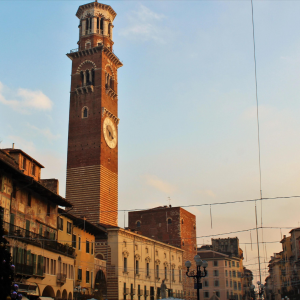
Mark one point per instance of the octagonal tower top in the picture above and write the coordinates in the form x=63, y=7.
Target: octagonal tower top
x=96, y=25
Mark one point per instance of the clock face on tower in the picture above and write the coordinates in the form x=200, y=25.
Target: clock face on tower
x=110, y=133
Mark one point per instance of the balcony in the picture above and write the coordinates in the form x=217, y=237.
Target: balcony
x=24, y=270
x=61, y=278
x=42, y=241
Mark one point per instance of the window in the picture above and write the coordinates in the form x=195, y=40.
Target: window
x=87, y=249
x=60, y=223
x=79, y=243
x=240, y=286
x=87, y=277
x=237, y=264
x=230, y=283
x=226, y=273
x=216, y=283
x=215, y=263
x=29, y=199
x=206, y=283
x=225, y=263
x=169, y=221
x=173, y=274
x=182, y=221
x=125, y=264
x=233, y=274
x=84, y=112
x=216, y=272
x=218, y=294
x=69, y=227
x=229, y=273
x=92, y=248
x=138, y=224
x=233, y=263
x=157, y=271
x=79, y=274
x=229, y=264
x=226, y=283
x=180, y=275
x=206, y=294
x=24, y=163
x=74, y=241
x=48, y=209
x=136, y=267
x=234, y=285
x=147, y=269
x=166, y=272
x=33, y=170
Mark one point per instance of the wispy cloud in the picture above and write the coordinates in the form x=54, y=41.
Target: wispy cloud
x=24, y=100
x=144, y=24
x=46, y=132
x=207, y=193
x=160, y=185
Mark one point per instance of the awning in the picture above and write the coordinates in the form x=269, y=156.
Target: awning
x=45, y=298
x=24, y=297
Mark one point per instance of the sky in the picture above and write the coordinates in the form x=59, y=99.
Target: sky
x=187, y=107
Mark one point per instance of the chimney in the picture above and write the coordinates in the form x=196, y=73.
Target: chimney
x=13, y=145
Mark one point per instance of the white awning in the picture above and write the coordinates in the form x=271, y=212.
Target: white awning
x=46, y=298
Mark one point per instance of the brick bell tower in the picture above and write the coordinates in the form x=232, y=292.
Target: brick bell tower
x=92, y=165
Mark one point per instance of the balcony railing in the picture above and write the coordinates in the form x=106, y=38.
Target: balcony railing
x=62, y=278
x=37, y=239
x=24, y=269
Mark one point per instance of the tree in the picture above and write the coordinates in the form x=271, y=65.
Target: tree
x=6, y=268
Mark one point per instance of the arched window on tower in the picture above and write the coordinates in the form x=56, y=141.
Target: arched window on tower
x=82, y=78
x=84, y=113
x=101, y=25
x=93, y=77
x=88, y=79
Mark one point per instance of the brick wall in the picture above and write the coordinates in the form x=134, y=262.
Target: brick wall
x=181, y=232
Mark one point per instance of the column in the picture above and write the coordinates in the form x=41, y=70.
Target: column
x=83, y=26
x=105, y=27
x=111, y=31
x=94, y=24
x=84, y=78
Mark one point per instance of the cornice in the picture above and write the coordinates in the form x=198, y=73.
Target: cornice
x=84, y=7
x=81, y=53
x=106, y=112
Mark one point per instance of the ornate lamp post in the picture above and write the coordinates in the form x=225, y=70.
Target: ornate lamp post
x=197, y=275
x=260, y=289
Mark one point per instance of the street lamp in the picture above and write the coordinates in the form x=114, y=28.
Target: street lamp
x=198, y=274
x=260, y=289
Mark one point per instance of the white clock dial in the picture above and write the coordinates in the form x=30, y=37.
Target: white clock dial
x=110, y=133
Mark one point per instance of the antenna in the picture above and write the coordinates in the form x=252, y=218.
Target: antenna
x=169, y=201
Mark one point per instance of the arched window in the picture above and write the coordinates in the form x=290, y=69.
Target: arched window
x=93, y=77
x=109, y=29
x=85, y=111
x=82, y=78
x=138, y=224
x=99, y=256
x=87, y=77
x=169, y=221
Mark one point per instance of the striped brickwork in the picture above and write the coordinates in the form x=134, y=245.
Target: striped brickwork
x=93, y=190
x=111, y=273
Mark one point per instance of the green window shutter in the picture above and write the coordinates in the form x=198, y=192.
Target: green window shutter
x=29, y=258
x=34, y=264
x=19, y=259
x=12, y=219
x=42, y=263
x=15, y=255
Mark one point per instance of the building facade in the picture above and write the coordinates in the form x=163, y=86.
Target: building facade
x=92, y=164
x=30, y=211
x=171, y=225
x=136, y=266
x=224, y=278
